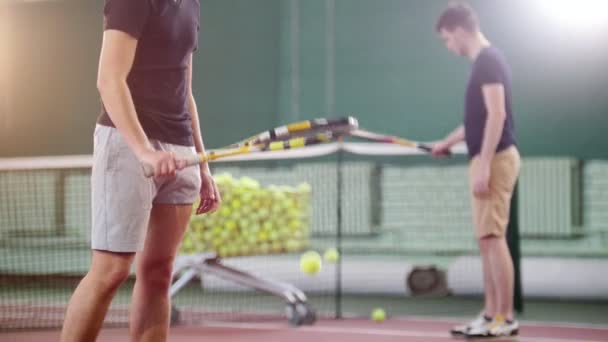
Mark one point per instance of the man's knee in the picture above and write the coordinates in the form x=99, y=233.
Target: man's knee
x=110, y=270
x=156, y=274
x=489, y=241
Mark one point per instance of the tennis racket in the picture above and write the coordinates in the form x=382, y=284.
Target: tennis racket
x=299, y=137
x=363, y=134
x=302, y=128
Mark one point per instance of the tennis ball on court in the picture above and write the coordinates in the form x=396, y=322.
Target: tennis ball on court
x=331, y=255
x=310, y=262
x=378, y=315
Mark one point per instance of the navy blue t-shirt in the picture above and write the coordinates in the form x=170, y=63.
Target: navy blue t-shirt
x=167, y=34
x=490, y=67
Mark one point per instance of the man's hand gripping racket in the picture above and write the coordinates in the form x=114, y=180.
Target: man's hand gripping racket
x=292, y=136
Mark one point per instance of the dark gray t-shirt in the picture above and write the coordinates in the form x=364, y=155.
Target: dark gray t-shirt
x=167, y=33
x=490, y=67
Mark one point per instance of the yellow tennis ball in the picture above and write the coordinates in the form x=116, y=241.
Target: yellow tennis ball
x=378, y=315
x=331, y=255
x=310, y=262
x=225, y=211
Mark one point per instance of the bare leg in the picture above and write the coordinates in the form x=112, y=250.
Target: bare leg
x=150, y=305
x=490, y=289
x=89, y=303
x=502, y=274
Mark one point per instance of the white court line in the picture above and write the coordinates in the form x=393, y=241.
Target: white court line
x=524, y=323
x=372, y=332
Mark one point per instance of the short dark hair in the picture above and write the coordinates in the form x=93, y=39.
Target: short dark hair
x=458, y=14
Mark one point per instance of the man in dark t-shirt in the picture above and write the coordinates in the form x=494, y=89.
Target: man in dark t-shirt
x=148, y=116
x=167, y=33
x=494, y=163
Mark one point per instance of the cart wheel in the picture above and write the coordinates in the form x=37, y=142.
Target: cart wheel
x=300, y=314
x=174, y=315
x=311, y=316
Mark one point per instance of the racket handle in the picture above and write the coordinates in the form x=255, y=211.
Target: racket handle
x=429, y=149
x=425, y=148
x=191, y=160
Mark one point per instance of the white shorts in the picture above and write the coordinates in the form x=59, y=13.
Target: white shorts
x=122, y=196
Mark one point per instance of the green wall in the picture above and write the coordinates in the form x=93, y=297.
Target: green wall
x=268, y=61
x=390, y=69
x=53, y=54
x=236, y=71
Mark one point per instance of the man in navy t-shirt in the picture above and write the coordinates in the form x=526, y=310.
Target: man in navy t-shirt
x=494, y=163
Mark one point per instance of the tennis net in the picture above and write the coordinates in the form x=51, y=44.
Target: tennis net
x=390, y=210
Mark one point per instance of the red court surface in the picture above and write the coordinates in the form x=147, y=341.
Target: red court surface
x=352, y=330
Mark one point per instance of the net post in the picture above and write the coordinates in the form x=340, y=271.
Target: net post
x=513, y=241
x=60, y=184
x=338, y=290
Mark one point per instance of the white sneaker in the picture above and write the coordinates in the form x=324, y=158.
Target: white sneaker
x=499, y=327
x=478, y=323
x=504, y=328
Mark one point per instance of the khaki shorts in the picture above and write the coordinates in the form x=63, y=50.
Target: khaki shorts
x=122, y=196
x=491, y=214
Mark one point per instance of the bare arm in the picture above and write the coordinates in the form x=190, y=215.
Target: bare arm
x=455, y=137
x=117, y=55
x=442, y=148
x=115, y=63
x=210, y=194
x=494, y=99
x=196, y=128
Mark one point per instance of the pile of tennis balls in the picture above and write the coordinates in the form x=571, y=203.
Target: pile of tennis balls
x=252, y=220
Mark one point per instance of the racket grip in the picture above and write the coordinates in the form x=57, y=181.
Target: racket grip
x=429, y=149
x=425, y=148
x=191, y=160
